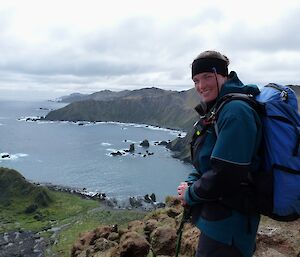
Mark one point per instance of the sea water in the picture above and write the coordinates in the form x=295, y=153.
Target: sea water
x=79, y=154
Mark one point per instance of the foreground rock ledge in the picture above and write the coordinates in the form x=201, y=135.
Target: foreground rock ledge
x=157, y=234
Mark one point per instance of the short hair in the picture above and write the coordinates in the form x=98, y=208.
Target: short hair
x=213, y=54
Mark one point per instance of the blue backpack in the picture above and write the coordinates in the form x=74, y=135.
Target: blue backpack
x=277, y=184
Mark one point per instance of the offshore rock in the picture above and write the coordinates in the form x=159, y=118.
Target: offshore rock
x=164, y=143
x=118, y=153
x=145, y=143
x=131, y=148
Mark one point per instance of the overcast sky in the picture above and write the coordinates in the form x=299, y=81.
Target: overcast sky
x=51, y=48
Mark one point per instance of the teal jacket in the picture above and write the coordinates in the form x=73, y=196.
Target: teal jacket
x=225, y=161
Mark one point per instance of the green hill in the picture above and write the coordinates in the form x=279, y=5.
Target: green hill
x=153, y=106
x=16, y=191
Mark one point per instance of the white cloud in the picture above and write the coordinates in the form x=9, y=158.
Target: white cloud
x=59, y=47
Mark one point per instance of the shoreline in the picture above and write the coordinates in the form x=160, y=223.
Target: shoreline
x=143, y=203
x=42, y=119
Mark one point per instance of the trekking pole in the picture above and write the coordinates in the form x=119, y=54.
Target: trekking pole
x=185, y=217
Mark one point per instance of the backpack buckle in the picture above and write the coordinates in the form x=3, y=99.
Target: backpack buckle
x=284, y=96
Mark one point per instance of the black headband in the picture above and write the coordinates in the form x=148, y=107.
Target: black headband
x=209, y=65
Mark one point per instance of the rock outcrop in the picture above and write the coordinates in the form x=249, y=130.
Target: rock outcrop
x=156, y=233
x=278, y=239
x=156, y=236
x=22, y=243
x=131, y=148
x=145, y=143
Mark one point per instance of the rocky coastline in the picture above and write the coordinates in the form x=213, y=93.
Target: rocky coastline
x=144, y=203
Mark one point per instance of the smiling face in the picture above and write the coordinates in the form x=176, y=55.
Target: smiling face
x=207, y=85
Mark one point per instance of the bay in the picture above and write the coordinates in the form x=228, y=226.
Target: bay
x=68, y=154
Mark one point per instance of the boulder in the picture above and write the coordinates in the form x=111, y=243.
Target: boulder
x=103, y=244
x=163, y=143
x=99, y=240
x=153, y=197
x=173, y=212
x=189, y=241
x=150, y=226
x=105, y=231
x=172, y=201
x=132, y=244
x=135, y=202
x=165, y=220
x=145, y=143
x=113, y=236
x=150, y=199
x=99, y=196
x=118, y=153
x=82, y=243
x=131, y=148
x=163, y=241
x=158, y=205
x=5, y=156
x=111, y=202
x=277, y=239
x=136, y=226
x=147, y=199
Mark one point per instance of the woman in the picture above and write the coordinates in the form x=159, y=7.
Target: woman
x=225, y=154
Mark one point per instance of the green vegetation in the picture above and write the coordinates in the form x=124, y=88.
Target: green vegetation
x=24, y=206
x=88, y=222
x=152, y=106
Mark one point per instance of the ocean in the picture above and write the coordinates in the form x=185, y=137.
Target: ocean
x=79, y=155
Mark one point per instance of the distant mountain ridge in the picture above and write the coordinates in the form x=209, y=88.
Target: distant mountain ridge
x=105, y=95
x=153, y=106
x=97, y=96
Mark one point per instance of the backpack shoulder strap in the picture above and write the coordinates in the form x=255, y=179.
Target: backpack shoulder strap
x=250, y=99
x=235, y=96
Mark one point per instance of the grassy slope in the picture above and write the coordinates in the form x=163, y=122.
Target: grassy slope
x=162, y=108
x=88, y=222
x=70, y=213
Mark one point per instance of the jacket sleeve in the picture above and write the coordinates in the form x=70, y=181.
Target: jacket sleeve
x=231, y=157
